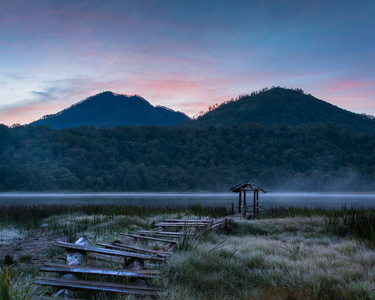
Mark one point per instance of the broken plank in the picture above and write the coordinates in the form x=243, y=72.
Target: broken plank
x=50, y=267
x=166, y=224
x=106, y=258
x=98, y=286
x=188, y=221
x=149, y=238
x=105, y=251
x=123, y=247
x=165, y=233
x=218, y=226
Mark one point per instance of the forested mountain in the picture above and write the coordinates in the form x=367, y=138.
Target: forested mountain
x=283, y=106
x=155, y=158
x=111, y=110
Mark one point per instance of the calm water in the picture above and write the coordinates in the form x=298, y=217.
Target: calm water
x=324, y=200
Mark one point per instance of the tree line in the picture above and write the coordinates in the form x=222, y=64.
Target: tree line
x=323, y=156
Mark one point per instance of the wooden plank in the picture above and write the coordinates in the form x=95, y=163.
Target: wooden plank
x=98, y=286
x=106, y=251
x=149, y=238
x=168, y=235
x=164, y=232
x=107, y=258
x=50, y=267
x=218, y=226
x=123, y=247
x=167, y=224
x=52, y=298
x=188, y=221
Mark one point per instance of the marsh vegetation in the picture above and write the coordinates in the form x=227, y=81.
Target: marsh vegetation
x=288, y=253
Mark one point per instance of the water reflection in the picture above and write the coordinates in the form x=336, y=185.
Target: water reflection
x=324, y=200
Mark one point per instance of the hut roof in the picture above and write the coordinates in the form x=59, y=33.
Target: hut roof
x=246, y=186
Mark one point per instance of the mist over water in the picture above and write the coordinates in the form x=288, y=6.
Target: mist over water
x=284, y=199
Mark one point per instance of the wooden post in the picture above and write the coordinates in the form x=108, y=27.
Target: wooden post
x=232, y=208
x=239, y=202
x=258, y=200
x=254, y=210
x=244, y=203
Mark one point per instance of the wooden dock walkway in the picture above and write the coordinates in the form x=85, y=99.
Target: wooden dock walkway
x=119, y=252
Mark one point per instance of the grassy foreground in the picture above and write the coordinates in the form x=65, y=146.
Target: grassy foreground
x=290, y=253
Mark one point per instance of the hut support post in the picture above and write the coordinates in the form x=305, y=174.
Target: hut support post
x=244, y=203
x=254, y=208
x=239, y=202
x=257, y=200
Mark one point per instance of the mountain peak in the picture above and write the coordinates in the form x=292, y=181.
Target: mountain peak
x=108, y=109
x=278, y=105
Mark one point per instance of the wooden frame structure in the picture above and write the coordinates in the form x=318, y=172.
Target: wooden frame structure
x=247, y=186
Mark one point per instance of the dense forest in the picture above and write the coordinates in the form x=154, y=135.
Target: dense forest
x=324, y=156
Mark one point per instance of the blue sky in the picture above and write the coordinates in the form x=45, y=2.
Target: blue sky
x=185, y=55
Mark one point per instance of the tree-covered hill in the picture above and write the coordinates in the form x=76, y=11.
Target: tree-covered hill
x=283, y=106
x=111, y=110
x=155, y=158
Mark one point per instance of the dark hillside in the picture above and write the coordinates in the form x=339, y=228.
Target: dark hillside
x=111, y=110
x=283, y=106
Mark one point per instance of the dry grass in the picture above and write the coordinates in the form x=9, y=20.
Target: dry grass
x=290, y=258
x=275, y=258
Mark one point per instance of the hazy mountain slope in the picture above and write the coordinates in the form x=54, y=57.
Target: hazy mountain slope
x=283, y=106
x=111, y=110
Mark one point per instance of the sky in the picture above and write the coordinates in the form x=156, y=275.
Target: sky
x=185, y=54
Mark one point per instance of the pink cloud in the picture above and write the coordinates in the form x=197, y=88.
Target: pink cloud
x=352, y=94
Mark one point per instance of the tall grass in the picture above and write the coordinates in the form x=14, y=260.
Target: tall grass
x=16, y=284
x=277, y=265
x=31, y=217
x=345, y=221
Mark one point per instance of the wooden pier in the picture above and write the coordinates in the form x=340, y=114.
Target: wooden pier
x=132, y=257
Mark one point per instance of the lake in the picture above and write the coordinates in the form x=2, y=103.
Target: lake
x=323, y=200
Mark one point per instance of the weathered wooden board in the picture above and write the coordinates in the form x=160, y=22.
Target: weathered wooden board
x=106, y=251
x=218, y=226
x=168, y=224
x=149, y=238
x=134, y=248
x=49, y=267
x=52, y=298
x=188, y=221
x=98, y=286
x=106, y=258
x=164, y=233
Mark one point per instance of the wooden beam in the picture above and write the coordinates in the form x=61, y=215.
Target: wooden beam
x=254, y=208
x=148, y=238
x=239, y=201
x=105, y=251
x=188, y=221
x=134, y=248
x=167, y=224
x=50, y=267
x=244, y=202
x=164, y=233
x=98, y=286
x=106, y=258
